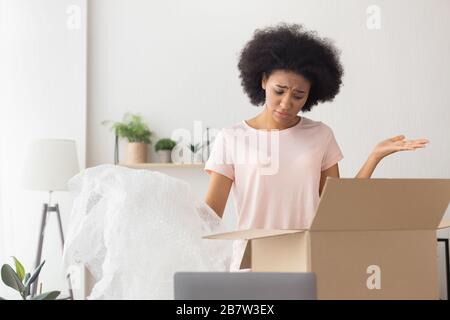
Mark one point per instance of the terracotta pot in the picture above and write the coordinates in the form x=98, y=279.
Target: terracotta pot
x=165, y=156
x=136, y=152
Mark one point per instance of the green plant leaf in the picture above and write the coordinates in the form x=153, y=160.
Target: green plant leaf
x=11, y=279
x=52, y=295
x=27, y=276
x=165, y=144
x=27, y=287
x=132, y=128
x=35, y=275
x=20, y=270
x=194, y=147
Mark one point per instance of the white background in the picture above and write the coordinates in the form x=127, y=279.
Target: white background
x=42, y=95
x=175, y=62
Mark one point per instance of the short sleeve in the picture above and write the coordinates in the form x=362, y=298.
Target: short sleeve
x=220, y=159
x=332, y=154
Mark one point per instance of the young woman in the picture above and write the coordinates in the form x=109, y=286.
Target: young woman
x=288, y=70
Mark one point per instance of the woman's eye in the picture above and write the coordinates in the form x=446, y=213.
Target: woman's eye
x=281, y=92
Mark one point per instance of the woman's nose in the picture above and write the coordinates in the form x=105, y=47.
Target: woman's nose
x=286, y=101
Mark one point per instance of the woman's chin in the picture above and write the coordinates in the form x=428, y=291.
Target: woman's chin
x=281, y=119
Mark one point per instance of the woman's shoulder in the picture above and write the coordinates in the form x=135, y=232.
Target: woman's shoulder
x=317, y=129
x=230, y=131
x=235, y=128
x=313, y=124
x=238, y=125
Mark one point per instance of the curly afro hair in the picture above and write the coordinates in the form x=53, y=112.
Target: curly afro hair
x=289, y=47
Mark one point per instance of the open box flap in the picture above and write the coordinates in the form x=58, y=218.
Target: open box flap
x=445, y=223
x=382, y=204
x=249, y=234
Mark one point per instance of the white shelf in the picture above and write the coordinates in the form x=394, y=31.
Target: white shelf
x=163, y=165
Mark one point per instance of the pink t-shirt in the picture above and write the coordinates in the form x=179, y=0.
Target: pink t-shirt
x=276, y=174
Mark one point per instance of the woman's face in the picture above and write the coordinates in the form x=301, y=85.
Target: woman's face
x=286, y=94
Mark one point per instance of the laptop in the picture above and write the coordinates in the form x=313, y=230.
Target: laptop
x=245, y=286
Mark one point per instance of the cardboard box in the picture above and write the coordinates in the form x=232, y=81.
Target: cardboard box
x=370, y=239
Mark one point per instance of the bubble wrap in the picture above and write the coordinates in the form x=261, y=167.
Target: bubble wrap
x=133, y=229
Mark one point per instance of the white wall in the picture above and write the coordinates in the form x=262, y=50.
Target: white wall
x=43, y=95
x=175, y=62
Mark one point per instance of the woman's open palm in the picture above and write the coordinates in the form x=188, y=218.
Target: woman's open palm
x=397, y=143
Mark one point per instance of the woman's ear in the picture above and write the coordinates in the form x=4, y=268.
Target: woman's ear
x=264, y=81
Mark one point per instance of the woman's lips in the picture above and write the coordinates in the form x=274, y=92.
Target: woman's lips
x=282, y=115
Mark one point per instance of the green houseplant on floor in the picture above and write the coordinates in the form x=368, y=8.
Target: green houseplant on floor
x=21, y=281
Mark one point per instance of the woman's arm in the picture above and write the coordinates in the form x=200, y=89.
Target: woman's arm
x=381, y=150
x=218, y=191
x=385, y=148
x=368, y=167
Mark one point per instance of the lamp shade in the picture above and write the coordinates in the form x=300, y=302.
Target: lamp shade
x=49, y=164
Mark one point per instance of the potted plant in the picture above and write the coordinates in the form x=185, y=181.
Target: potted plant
x=138, y=134
x=21, y=281
x=194, y=148
x=164, y=149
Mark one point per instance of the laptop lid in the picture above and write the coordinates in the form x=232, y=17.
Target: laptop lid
x=244, y=286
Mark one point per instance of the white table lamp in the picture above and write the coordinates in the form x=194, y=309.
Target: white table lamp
x=49, y=165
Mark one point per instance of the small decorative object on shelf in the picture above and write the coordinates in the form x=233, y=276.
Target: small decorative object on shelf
x=194, y=148
x=207, y=144
x=164, y=149
x=138, y=134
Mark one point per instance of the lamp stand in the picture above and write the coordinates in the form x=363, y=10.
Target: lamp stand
x=46, y=210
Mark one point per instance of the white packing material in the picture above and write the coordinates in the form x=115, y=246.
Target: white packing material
x=133, y=229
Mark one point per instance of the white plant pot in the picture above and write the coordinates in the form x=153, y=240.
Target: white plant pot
x=165, y=156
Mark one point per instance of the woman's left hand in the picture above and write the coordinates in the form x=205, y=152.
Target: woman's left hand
x=397, y=143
